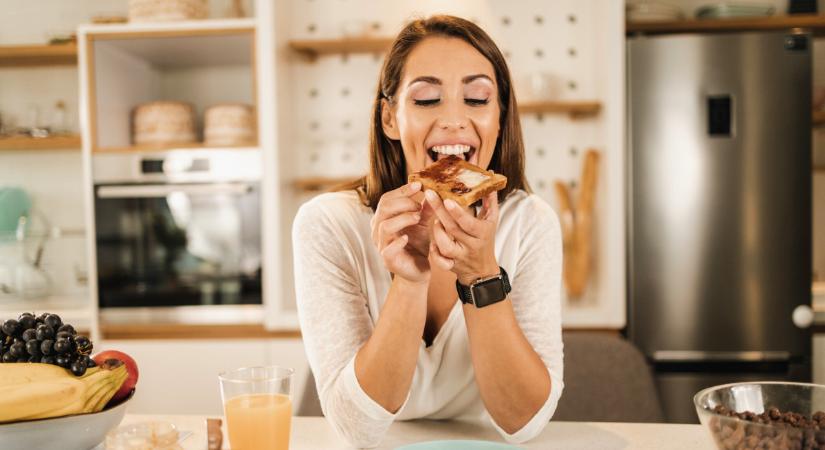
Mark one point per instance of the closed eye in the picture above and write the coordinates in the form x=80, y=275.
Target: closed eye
x=477, y=101
x=427, y=102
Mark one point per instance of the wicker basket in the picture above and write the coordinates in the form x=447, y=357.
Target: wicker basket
x=164, y=123
x=167, y=10
x=229, y=124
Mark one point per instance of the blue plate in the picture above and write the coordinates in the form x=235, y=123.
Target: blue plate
x=458, y=445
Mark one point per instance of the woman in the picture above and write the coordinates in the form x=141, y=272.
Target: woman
x=378, y=267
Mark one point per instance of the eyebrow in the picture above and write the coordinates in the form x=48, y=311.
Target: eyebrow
x=465, y=80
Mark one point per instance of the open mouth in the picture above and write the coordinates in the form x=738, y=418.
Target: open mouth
x=442, y=151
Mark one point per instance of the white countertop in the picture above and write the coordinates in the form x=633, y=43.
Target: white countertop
x=313, y=433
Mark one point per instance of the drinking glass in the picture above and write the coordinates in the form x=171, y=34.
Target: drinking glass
x=257, y=406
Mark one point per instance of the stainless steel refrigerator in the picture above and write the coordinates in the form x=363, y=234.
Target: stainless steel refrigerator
x=719, y=219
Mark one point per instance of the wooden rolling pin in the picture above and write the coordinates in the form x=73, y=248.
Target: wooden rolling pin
x=577, y=226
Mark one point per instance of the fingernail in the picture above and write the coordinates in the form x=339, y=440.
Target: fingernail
x=415, y=185
x=417, y=216
x=450, y=204
x=432, y=196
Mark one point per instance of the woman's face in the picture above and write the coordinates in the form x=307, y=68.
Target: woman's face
x=446, y=103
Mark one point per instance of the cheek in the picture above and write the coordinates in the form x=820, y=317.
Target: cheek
x=487, y=125
x=486, y=122
x=413, y=127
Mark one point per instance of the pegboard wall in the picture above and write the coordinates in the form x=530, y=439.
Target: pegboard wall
x=574, y=42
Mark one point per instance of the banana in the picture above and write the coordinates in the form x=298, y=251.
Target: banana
x=118, y=380
x=25, y=394
x=38, y=398
x=100, y=400
x=26, y=373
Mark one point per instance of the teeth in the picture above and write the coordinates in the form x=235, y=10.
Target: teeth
x=456, y=149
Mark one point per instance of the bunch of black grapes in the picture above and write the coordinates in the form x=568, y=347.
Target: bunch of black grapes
x=45, y=339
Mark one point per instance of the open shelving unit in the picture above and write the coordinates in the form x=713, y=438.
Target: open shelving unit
x=38, y=55
x=130, y=64
x=202, y=63
x=17, y=56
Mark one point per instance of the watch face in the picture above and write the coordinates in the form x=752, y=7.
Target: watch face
x=489, y=292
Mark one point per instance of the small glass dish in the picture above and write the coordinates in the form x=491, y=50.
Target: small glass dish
x=144, y=436
x=805, y=400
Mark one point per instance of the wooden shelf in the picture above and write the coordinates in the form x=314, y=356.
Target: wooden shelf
x=38, y=55
x=179, y=331
x=576, y=109
x=315, y=184
x=162, y=148
x=814, y=22
x=67, y=142
x=317, y=47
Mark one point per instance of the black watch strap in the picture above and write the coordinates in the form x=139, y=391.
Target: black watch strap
x=486, y=291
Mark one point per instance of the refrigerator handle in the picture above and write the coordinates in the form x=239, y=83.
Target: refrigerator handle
x=803, y=316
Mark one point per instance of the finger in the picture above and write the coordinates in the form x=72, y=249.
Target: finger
x=395, y=206
x=469, y=224
x=440, y=260
x=444, y=216
x=389, y=208
x=445, y=244
x=406, y=190
x=489, y=208
x=427, y=212
x=395, y=248
x=399, y=222
x=388, y=230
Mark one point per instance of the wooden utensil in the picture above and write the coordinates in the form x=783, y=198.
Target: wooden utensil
x=577, y=224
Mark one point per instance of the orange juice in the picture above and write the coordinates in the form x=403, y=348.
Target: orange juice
x=258, y=421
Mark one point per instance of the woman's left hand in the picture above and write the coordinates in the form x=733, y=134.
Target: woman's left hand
x=463, y=243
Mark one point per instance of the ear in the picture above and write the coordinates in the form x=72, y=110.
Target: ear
x=388, y=122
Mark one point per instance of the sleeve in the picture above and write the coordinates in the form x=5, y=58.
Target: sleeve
x=536, y=299
x=335, y=323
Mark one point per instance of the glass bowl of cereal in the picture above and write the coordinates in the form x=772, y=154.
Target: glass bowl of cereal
x=767, y=414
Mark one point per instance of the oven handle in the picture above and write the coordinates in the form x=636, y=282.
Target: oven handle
x=162, y=190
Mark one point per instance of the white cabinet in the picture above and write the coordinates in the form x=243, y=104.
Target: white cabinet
x=181, y=376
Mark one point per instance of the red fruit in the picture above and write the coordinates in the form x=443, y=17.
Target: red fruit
x=131, y=369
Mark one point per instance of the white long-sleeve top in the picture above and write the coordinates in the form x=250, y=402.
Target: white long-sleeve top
x=341, y=285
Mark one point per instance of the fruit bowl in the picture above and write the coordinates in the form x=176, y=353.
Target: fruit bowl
x=763, y=414
x=81, y=431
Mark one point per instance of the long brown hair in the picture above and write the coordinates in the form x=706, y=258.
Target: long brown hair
x=388, y=168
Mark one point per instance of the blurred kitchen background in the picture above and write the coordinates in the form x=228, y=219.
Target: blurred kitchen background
x=154, y=152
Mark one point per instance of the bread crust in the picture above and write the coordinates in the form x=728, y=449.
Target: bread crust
x=441, y=178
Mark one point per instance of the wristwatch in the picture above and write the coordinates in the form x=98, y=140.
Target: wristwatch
x=485, y=291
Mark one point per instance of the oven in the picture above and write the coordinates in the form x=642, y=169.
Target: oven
x=178, y=236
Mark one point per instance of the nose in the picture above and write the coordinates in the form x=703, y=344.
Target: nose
x=453, y=118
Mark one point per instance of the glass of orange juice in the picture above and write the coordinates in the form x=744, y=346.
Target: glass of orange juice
x=257, y=406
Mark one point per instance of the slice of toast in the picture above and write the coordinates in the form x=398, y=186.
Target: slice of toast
x=456, y=179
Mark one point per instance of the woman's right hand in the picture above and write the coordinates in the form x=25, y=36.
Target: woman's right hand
x=393, y=226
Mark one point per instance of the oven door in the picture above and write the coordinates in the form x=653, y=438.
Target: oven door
x=169, y=245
